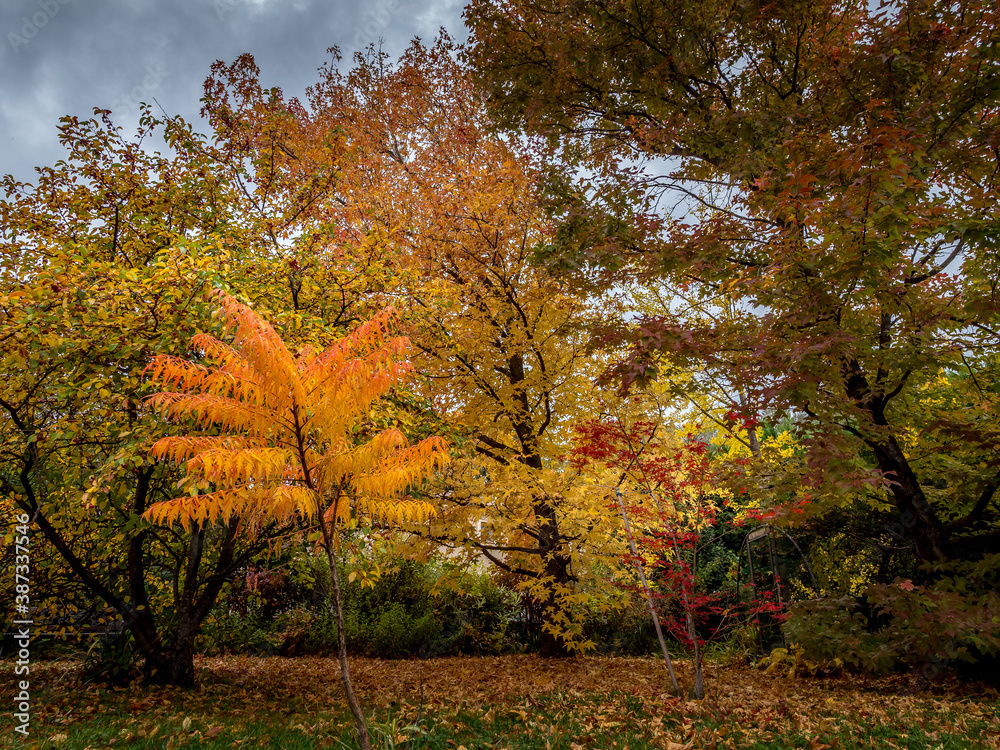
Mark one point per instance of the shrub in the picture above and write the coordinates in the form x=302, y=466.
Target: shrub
x=401, y=632
x=477, y=620
x=112, y=659
x=228, y=631
x=794, y=663
x=627, y=631
x=269, y=591
x=940, y=624
x=833, y=628
x=956, y=619
x=392, y=617
x=406, y=611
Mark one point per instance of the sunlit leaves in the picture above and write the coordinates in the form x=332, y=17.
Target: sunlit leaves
x=452, y=213
x=289, y=450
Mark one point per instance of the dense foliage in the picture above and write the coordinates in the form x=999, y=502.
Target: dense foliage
x=576, y=307
x=816, y=185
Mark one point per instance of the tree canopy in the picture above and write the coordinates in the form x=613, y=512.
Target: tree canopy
x=636, y=270
x=827, y=172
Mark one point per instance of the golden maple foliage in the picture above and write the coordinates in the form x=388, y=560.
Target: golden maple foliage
x=452, y=213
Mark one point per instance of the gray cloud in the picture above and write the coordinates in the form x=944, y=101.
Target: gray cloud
x=65, y=57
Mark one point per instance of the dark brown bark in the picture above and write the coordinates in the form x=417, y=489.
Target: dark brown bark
x=551, y=544
x=930, y=539
x=552, y=646
x=173, y=664
x=164, y=662
x=139, y=617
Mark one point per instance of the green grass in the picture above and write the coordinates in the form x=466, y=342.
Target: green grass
x=585, y=703
x=559, y=722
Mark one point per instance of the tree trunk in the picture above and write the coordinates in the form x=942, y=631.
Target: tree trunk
x=176, y=667
x=699, y=673
x=930, y=540
x=172, y=664
x=552, y=646
x=194, y=597
x=338, y=606
x=556, y=568
x=649, y=596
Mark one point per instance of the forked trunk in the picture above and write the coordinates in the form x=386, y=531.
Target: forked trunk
x=930, y=538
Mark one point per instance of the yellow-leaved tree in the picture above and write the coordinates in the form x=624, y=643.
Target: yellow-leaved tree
x=452, y=211
x=285, y=439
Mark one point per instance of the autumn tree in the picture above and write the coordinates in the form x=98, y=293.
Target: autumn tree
x=284, y=438
x=825, y=170
x=92, y=283
x=504, y=364
x=105, y=262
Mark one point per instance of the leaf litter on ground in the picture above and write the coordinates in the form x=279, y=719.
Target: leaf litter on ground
x=512, y=702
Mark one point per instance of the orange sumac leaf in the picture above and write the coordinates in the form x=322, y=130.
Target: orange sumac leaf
x=288, y=449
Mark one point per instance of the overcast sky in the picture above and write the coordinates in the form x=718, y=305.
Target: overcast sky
x=61, y=57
